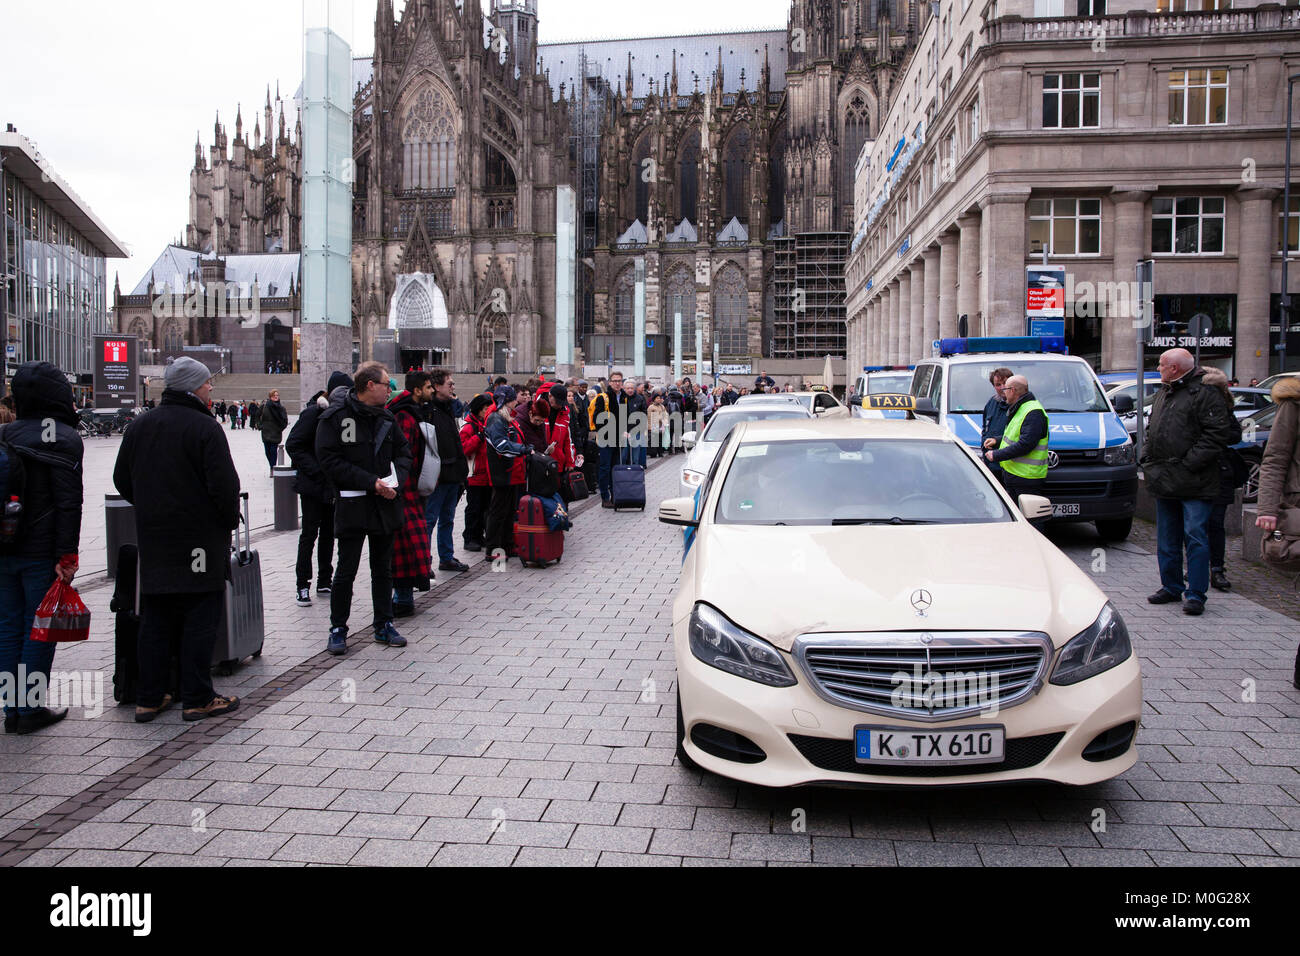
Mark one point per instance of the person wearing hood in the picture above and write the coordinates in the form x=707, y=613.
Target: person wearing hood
x=315, y=492
x=1279, y=472
x=274, y=421
x=175, y=467
x=1218, y=533
x=1185, y=437
x=412, y=563
x=560, y=430
x=507, y=457
x=441, y=411
x=366, y=457
x=49, y=529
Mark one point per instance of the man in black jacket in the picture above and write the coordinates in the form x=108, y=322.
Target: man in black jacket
x=1185, y=436
x=315, y=493
x=274, y=421
x=365, y=456
x=440, y=508
x=610, y=430
x=45, y=444
x=175, y=467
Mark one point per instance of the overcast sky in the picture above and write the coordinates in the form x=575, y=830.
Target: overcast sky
x=113, y=93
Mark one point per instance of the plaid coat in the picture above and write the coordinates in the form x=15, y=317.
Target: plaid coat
x=412, y=551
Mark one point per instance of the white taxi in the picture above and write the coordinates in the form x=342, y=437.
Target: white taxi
x=860, y=603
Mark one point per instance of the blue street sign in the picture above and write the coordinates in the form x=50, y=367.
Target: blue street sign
x=1047, y=327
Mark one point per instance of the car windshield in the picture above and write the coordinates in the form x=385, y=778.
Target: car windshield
x=855, y=481
x=1059, y=386
x=721, y=424
x=1261, y=419
x=889, y=384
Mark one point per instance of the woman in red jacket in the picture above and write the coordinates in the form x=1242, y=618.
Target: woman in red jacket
x=480, y=488
x=558, y=430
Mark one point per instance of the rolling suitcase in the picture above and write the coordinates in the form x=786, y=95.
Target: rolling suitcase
x=242, y=629
x=535, y=543
x=628, y=485
x=125, y=606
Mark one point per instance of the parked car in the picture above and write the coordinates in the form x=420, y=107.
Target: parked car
x=1248, y=401
x=1254, y=435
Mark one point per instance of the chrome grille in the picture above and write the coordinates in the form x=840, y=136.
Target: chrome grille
x=925, y=675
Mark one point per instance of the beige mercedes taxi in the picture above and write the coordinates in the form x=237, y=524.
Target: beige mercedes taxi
x=861, y=603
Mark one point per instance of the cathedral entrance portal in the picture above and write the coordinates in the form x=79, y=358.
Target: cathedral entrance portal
x=500, y=356
x=418, y=314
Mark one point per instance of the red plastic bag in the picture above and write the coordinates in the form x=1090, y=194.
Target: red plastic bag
x=62, y=616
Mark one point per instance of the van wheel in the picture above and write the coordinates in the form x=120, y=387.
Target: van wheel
x=682, y=756
x=1115, y=529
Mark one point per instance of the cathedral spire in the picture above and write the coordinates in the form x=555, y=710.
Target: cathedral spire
x=629, y=73
x=674, y=81
x=239, y=123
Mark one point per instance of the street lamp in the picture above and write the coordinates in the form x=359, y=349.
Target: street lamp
x=1285, y=319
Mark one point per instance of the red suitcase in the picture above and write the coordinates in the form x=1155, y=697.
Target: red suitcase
x=536, y=544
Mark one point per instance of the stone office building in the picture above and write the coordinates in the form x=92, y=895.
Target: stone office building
x=1097, y=140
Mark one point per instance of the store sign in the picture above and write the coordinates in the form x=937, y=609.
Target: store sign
x=117, y=371
x=1224, y=342
x=747, y=369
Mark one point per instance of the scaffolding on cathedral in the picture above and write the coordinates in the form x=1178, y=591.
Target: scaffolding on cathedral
x=808, y=281
x=584, y=151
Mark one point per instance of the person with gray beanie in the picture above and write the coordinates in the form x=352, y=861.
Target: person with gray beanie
x=175, y=467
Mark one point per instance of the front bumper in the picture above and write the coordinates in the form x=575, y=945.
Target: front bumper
x=1102, y=492
x=806, y=739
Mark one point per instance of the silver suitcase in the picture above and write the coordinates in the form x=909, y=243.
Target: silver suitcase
x=243, y=618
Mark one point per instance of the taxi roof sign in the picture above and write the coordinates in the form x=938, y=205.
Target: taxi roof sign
x=890, y=402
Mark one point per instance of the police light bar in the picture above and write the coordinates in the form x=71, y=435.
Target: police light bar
x=995, y=344
x=888, y=368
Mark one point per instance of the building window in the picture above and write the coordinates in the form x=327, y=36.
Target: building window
x=644, y=173
x=623, y=292
x=688, y=190
x=736, y=169
x=1198, y=97
x=1191, y=6
x=1092, y=8
x=972, y=123
x=1189, y=225
x=429, y=144
x=949, y=159
x=1065, y=227
x=945, y=90
x=1071, y=100
x=731, y=312
x=965, y=54
x=680, y=297
x=947, y=30
x=1291, y=225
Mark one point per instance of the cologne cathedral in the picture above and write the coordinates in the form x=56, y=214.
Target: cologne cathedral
x=724, y=162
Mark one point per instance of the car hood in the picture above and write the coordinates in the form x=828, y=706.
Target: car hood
x=781, y=582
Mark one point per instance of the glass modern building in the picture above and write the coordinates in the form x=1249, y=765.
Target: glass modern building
x=52, y=254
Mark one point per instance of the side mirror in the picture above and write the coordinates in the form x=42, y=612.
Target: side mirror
x=819, y=409
x=688, y=439
x=924, y=406
x=1124, y=404
x=1034, y=507
x=679, y=511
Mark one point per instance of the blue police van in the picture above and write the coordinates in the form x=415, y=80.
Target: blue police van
x=1092, y=471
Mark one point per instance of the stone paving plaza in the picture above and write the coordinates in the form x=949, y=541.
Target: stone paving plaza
x=531, y=722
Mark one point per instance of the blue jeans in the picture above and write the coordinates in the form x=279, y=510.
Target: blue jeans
x=440, y=509
x=23, y=583
x=1182, y=522
x=604, y=478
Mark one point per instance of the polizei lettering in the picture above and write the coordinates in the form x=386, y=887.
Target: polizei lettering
x=87, y=910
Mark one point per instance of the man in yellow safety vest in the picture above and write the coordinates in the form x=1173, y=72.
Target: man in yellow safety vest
x=1022, y=452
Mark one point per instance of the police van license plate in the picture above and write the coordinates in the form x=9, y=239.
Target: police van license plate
x=908, y=745
x=1059, y=510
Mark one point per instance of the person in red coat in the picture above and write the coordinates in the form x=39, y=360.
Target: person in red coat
x=479, y=494
x=507, y=456
x=560, y=432
x=412, y=553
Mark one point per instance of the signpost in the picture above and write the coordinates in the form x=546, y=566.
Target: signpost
x=1144, y=327
x=1045, y=300
x=117, y=371
x=1199, y=326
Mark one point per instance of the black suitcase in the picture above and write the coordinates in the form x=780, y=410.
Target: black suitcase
x=573, y=487
x=543, y=476
x=242, y=629
x=125, y=606
x=628, y=486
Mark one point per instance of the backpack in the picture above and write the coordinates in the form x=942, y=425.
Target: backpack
x=431, y=466
x=13, y=481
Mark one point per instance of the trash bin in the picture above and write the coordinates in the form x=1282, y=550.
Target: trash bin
x=119, y=528
x=286, y=499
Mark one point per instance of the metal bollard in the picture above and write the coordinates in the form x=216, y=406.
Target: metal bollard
x=286, y=499
x=279, y=455
x=119, y=528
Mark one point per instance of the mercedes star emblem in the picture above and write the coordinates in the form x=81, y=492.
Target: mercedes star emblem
x=921, y=600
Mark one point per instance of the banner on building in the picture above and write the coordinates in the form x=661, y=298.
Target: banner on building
x=117, y=371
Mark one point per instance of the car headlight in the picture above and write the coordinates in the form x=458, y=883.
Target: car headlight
x=1099, y=648
x=721, y=644
x=692, y=479
x=1119, y=454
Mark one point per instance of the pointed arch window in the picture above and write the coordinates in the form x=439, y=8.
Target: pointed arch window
x=857, y=128
x=623, y=292
x=429, y=143
x=172, y=339
x=776, y=179
x=680, y=296
x=735, y=171
x=731, y=312
x=642, y=176
x=688, y=177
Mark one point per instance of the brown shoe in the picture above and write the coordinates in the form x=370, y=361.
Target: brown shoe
x=216, y=707
x=145, y=714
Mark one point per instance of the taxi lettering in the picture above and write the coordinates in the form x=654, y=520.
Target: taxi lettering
x=903, y=402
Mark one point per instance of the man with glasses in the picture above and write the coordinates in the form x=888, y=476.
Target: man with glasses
x=1022, y=447
x=610, y=432
x=1187, y=432
x=995, y=412
x=366, y=457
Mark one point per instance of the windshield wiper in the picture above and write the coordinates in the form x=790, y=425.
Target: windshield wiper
x=836, y=522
